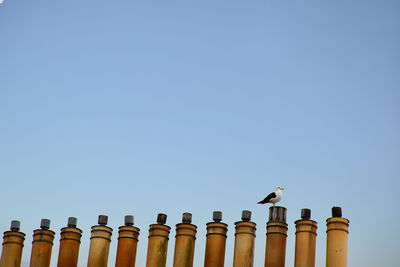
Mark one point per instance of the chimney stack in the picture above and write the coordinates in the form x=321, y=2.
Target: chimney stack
x=276, y=237
x=306, y=235
x=127, y=243
x=99, y=243
x=158, y=242
x=215, y=241
x=245, y=234
x=184, y=242
x=336, y=239
x=13, y=242
x=42, y=245
x=69, y=244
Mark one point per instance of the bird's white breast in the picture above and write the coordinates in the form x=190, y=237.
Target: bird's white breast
x=278, y=196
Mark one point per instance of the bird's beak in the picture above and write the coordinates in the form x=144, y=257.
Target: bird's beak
x=281, y=188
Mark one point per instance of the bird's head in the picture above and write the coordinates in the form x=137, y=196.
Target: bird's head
x=279, y=188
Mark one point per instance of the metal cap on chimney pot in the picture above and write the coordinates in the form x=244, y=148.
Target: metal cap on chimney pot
x=336, y=212
x=45, y=224
x=15, y=226
x=161, y=218
x=186, y=217
x=277, y=214
x=306, y=214
x=246, y=215
x=103, y=219
x=129, y=220
x=217, y=216
x=72, y=222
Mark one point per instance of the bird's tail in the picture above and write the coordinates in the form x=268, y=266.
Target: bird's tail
x=261, y=202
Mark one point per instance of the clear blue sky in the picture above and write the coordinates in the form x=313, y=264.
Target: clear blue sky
x=140, y=107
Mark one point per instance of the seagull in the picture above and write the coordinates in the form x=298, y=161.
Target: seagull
x=274, y=197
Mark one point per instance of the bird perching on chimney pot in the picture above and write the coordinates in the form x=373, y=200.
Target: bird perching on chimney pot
x=274, y=197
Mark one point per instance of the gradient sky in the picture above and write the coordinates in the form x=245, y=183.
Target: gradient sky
x=141, y=107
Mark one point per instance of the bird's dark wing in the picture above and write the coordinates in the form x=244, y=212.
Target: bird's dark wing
x=268, y=198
